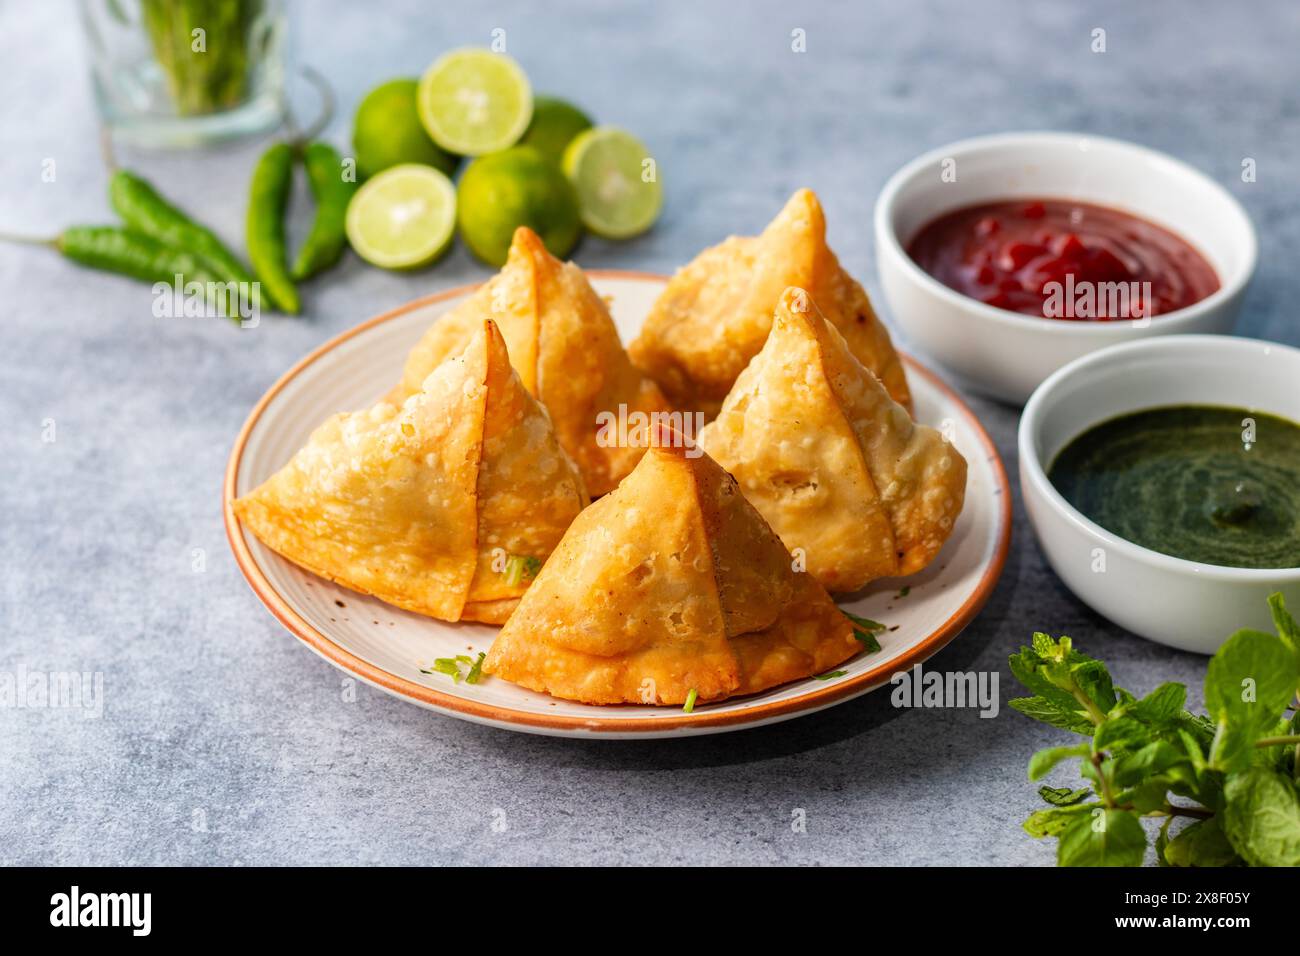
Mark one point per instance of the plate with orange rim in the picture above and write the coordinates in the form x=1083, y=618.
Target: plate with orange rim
x=392, y=649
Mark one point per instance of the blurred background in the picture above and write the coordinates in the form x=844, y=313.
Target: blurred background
x=211, y=707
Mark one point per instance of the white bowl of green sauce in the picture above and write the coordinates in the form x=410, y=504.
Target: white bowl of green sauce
x=1162, y=478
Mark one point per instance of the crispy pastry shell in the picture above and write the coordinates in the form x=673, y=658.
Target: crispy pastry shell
x=670, y=584
x=563, y=343
x=418, y=505
x=715, y=314
x=838, y=469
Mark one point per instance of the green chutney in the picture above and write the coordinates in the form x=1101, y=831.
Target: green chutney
x=1205, y=483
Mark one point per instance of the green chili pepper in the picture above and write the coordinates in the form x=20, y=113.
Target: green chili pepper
x=144, y=210
x=112, y=249
x=134, y=254
x=268, y=197
x=325, y=242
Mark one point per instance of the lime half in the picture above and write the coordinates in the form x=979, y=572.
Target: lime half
x=403, y=218
x=617, y=181
x=473, y=101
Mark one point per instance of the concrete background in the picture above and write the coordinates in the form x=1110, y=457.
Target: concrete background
x=224, y=741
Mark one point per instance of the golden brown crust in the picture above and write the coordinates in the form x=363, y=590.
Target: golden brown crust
x=715, y=313
x=415, y=504
x=489, y=612
x=838, y=469
x=670, y=584
x=563, y=343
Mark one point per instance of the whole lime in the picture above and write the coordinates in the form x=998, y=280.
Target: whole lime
x=387, y=132
x=516, y=187
x=555, y=123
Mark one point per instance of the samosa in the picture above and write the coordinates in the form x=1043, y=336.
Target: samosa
x=838, y=468
x=445, y=504
x=564, y=345
x=671, y=584
x=715, y=314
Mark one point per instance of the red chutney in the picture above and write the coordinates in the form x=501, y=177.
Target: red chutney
x=1057, y=258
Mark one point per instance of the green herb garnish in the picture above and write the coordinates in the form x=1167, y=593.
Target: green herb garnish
x=904, y=591
x=451, y=666
x=865, y=630
x=476, y=670
x=521, y=568
x=1148, y=757
x=831, y=675
x=689, y=706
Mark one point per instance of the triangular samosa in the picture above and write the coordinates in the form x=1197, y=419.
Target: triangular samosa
x=670, y=584
x=564, y=345
x=444, y=505
x=837, y=467
x=715, y=314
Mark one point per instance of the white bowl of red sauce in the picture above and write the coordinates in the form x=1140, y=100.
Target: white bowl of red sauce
x=1005, y=257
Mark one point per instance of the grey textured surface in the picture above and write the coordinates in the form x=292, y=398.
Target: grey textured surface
x=223, y=740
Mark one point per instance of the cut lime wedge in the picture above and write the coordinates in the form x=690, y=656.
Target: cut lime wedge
x=617, y=181
x=473, y=101
x=403, y=218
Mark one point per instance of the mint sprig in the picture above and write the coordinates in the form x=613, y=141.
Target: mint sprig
x=1226, y=784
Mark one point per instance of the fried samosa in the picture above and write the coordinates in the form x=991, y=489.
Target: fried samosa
x=564, y=345
x=715, y=314
x=837, y=467
x=670, y=584
x=442, y=505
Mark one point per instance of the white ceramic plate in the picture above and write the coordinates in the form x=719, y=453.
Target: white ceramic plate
x=387, y=647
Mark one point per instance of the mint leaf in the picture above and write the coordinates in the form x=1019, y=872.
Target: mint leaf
x=1252, y=678
x=1103, y=838
x=1044, y=646
x=1146, y=796
x=1287, y=628
x=1120, y=733
x=865, y=623
x=1159, y=757
x=1248, y=685
x=1040, y=708
x=1057, y=672
x=1201, y=844
x=1262, y=817
x=1063, y=796
x=865, y=631
x=1234, y=746
x=1093, y=677
x=1056, y=820
x=1043, y=761
x=1162, y=842
x=1192, y=747
x=1031, y=669
x=1165, y=703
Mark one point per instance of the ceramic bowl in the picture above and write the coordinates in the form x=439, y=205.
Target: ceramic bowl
x=1007, y=354
x=1181, y=603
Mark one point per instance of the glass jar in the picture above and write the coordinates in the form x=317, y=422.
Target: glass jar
x=186, y=72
